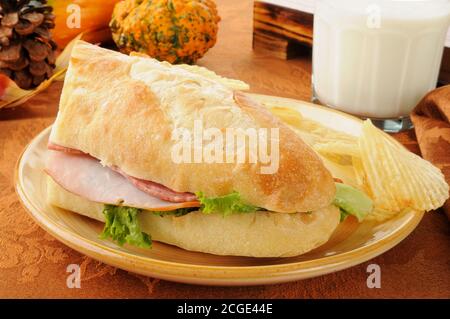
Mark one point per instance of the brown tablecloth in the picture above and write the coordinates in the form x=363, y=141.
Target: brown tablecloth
x=431, y=119
x=33, y=264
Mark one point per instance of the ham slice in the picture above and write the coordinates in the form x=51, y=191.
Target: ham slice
x=158, y=190
x=149, y=187
x=85, y=176
x=59, y=148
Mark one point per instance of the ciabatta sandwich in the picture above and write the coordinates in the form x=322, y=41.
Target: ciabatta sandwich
x=111, y=158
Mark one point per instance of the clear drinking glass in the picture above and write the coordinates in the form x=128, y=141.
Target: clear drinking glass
x=377, y=58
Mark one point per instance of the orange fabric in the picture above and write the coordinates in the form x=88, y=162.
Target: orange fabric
x=33, y=264
x=431, y=119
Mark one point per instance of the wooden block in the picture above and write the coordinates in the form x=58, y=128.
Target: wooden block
x=280, y=30
x=277, y=47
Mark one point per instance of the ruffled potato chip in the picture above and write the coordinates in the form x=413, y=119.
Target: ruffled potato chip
x=339, y=147
x=230, y=83
x=396, y=178
x=310, y=131
x=288, y=116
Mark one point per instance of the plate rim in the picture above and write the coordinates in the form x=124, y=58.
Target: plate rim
x=213, y=274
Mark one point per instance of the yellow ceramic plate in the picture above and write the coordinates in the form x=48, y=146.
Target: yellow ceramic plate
x=351, y=244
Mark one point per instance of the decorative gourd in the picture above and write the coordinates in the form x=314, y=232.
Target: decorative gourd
x=93, y=17
x=177, y=31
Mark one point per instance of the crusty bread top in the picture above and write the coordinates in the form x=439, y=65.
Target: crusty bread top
x=123, y=110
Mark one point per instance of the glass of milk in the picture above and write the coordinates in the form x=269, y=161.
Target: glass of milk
x=377, y=58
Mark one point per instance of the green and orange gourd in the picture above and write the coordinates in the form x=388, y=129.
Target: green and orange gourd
x=177, y=31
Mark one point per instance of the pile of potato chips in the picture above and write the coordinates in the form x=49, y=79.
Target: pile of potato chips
x=374, y=162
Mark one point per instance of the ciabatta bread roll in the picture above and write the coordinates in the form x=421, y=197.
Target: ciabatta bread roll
x=260, y=234
x=123, y=110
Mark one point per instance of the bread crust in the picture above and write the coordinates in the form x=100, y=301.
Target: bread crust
x=123, y=110
x=260, y=234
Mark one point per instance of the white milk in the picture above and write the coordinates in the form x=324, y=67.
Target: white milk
x=377, y=58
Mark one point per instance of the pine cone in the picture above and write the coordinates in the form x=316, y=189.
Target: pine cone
x=27, y=51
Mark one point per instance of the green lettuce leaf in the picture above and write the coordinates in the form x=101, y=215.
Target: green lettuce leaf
x=177, y=212
x=344, y=215
x=352, y=201
x=226, y=205
x=122, y=226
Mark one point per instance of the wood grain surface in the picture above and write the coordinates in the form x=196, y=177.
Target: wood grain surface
x=33, y=264
x=280, y=31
